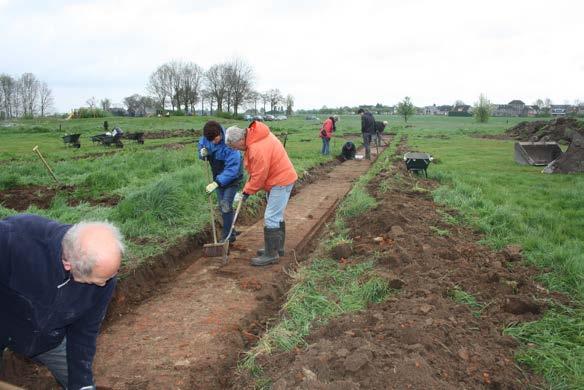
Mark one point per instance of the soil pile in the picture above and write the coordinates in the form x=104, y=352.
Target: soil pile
x=572, y=160
x=171, y=133
x=559, y=129
x=421, y=337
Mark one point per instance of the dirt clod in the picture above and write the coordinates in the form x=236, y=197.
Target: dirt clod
x=512, y=252
x=521, y=305
x=397, y=231
x=342, y=251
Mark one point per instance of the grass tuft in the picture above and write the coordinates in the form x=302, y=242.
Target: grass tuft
x=554, y=346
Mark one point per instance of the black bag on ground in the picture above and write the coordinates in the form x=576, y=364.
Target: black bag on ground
x=348, y=151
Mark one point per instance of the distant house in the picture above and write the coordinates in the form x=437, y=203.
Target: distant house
x=513, y=108
x=435, y=110
x=444, y=110
x=518, y=107
x=430, y=110
x=501, y=110
x=532, y=110
x=460, y=110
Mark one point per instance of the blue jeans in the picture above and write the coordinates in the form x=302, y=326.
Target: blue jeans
x=277, y=201
x=225, y=197
x=56, y=361
x=325, y=146
x=367, y=143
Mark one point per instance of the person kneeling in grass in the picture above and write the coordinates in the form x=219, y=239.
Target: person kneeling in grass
x=271, y=170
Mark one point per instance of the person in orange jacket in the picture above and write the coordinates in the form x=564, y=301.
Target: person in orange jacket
x=269, y=169
x=326, y=132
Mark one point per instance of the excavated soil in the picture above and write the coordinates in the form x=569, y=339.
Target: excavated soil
x=572, y=160
x=420, y=338
x=171, y=133
x=20, y=198
x=558, y=130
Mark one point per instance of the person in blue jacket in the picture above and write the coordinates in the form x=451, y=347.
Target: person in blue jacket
x=56, y=282
x=227, y=171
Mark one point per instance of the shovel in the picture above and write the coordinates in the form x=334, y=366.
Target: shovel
x=226, y=241
x=216, y=248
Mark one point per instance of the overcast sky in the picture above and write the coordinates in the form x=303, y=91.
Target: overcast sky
x=331, y=53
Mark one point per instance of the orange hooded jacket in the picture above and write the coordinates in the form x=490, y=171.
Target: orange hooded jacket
x=266, y=160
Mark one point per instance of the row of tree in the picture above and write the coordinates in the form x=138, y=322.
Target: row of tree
x=24, y=96
x=227, y=86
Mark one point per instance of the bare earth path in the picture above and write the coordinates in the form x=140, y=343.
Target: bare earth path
x=185, y=338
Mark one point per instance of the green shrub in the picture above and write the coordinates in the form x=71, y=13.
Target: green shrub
x=85, y=112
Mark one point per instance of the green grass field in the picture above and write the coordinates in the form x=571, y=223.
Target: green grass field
x=161, y=190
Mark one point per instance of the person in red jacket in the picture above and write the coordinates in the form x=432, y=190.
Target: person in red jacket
x=326, y=132
x=269, y=169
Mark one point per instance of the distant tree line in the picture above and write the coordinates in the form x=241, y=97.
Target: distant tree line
x=184, y=88
x=25, y=96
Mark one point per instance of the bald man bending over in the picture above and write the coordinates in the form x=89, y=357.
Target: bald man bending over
x=56, y=282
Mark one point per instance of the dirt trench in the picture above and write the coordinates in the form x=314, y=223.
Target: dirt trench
x=420, y=338
x=190, y=333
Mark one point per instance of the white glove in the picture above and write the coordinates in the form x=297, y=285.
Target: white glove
x=204, y=152
x=238, y=197
x=211, y=187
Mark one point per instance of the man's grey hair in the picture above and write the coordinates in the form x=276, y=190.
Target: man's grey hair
x=233, y=135
x=83, y=259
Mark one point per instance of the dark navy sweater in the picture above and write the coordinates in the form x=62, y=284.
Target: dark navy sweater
x=40, y=303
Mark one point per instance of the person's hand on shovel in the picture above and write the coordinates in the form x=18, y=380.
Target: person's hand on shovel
x=240, y=196
x=211, y=187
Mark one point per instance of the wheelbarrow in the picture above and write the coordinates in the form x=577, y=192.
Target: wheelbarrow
x=72, y=140
x=417, y=162
x=108, y=140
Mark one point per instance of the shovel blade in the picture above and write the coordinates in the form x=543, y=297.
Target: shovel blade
x=214, y=250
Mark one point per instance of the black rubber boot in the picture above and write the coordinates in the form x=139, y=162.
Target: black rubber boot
x=281, y=252
x=272, y=243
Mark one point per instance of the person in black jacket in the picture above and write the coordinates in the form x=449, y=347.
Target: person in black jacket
x=367, y=129
x=379, y=127
x=56, y=282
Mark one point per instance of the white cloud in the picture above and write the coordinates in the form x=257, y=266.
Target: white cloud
x=322, y=52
